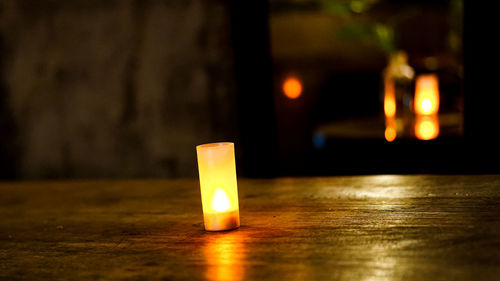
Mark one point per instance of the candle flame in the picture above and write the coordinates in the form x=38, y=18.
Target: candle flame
x=220, y=201
x=426, y=105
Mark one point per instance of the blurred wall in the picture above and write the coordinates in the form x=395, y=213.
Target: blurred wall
x=112, y=88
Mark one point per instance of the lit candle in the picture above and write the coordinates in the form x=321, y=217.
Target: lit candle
x=427, y=94
x=219, y=190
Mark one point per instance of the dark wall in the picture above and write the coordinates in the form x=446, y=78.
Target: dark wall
x=113, y=88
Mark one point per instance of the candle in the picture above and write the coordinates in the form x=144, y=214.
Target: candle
x=427, y=94
x=219, y=190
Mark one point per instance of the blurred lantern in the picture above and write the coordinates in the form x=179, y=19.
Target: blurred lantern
x=426, y=95
x=292, y=88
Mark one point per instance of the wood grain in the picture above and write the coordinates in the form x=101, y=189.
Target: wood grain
x=343, y=228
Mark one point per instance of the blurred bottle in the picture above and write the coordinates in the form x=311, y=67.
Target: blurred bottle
x=398, y=80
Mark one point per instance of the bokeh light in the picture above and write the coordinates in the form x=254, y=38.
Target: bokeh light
x=427, y=127
x=390, y=134
x=389, y=99
x=292, y=88
x=390, y=130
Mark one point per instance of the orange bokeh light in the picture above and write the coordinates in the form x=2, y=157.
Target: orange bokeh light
x=389, y=99
x=390, y=130
x=292, y=88
x=390, y=134
x=427, y=94
x=427, y=127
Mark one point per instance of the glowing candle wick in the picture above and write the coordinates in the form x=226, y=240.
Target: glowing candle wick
x=220, y=201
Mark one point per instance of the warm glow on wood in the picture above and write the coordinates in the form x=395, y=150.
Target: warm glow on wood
x=225, y=257
x=292, y=88
x=389, y=99
x=219, y=191
x=427, y=127
x=426, y=94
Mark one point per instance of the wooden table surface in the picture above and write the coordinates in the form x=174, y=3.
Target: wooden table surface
x=342, y=228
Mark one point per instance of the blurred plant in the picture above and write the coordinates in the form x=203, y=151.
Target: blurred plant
x=456, y=26
x=364, y=28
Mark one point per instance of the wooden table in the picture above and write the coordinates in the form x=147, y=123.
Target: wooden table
x=342, y=228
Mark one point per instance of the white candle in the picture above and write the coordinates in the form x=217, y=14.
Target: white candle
x=218, y=185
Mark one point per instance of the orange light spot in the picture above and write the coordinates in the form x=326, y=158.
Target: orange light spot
x=427, y=94
x=292, y=88
x=389, y=99
x=427, y=127
x=390, y=134
x=390, y=129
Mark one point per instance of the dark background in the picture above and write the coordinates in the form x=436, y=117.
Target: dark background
x=126, y=89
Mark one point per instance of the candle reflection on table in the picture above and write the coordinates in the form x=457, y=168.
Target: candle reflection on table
x=390, y=129
x=225, y=255
x=427, y=127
